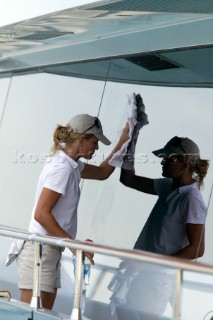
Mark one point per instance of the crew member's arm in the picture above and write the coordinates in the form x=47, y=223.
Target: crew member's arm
x=43, y=215
x=103, y=171
x=196, y=246
x=143, y=184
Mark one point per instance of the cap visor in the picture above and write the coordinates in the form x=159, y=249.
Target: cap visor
x=103, y=139
x=161, y=153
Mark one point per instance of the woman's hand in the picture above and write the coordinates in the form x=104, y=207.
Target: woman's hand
x=125, y=134
x=90, y=256
x=73, y=251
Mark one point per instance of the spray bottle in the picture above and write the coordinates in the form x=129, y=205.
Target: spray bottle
x=87, y=267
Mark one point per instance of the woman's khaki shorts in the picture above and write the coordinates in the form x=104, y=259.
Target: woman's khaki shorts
x=50, y=268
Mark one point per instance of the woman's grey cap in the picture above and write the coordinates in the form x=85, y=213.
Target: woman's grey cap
x=178, y=145
x=84, y=123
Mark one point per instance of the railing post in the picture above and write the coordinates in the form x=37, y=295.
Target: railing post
x=178, y=286
x=76, y=311
x=36, y=298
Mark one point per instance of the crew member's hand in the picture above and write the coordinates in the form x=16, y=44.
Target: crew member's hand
x=90, y=256
x=138, y=100
x=125, y=134
x=73, y=251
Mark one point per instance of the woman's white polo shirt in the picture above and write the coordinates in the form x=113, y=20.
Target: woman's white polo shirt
x=60, y=174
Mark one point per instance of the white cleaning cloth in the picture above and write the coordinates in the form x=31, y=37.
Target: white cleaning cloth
x=137, y=118
x=120, y=285
x=15, y=249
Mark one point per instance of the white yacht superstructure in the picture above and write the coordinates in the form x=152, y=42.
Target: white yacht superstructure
x=88, y=59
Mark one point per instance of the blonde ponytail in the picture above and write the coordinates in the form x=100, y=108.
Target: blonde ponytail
x=199, y=170
x=63, y=135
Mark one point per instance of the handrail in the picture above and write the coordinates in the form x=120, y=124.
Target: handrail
x=36, y=302
x=77, y=311
x=178, y=264
x=142, y=256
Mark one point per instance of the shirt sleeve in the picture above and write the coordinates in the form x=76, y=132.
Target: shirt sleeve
x=194, y=209
x=57, y=179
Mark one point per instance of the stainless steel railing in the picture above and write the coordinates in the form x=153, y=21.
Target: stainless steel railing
x=178, y=264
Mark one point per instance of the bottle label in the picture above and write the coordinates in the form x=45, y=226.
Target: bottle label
x=86, y=272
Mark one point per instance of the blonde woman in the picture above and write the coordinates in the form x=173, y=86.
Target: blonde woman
x=56, y=200
x=175, y=226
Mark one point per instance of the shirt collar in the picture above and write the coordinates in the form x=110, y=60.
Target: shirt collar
x=71, y=162
x=188, y=187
